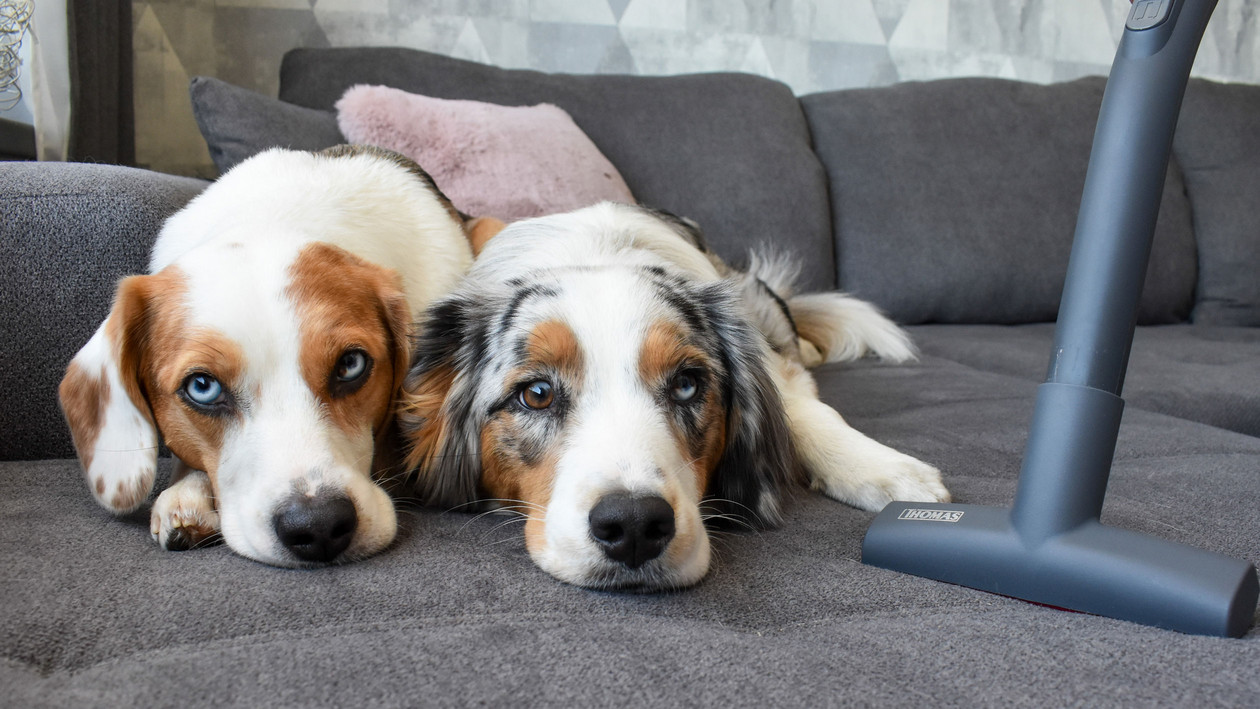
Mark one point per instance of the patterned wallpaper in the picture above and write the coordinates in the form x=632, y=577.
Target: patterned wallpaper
x=811, y=45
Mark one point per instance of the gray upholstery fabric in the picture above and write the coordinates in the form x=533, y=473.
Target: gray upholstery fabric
x=237, y=123
x=1197, y=372
x=69, y=232
x=731, y=151
x=456, y=615
x=955, y=201
x=1218, y=144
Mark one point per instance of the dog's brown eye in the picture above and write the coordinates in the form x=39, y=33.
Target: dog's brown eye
x=537, y=395
x=684, y=387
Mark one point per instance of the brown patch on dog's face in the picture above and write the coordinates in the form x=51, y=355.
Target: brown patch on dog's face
x=508, y=475
x=174, y=355
x=84, y=397
x=666, y=360
x=520, y=445
x=353, y=319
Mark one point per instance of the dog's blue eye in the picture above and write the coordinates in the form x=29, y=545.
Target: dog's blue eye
x=684, y=387
x=203, y=390
x=537, y=395
x=351, y=366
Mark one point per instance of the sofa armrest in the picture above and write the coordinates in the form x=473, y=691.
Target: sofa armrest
x=68, y=232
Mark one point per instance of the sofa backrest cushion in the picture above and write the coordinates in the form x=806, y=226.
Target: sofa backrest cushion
x=1218, y=146
x=731, y=151
x=955, y=201
x=69, y=233
x=238, y=123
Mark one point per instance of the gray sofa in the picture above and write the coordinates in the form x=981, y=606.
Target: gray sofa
x=950, y=203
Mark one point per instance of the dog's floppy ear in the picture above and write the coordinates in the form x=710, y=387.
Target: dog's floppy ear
x=104, y=403
x=395, y=313
x=759, y=463
x=436, y=410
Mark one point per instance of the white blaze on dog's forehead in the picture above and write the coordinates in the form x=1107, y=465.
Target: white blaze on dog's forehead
x=237, y=288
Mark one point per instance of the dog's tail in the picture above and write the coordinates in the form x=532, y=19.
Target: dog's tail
x=835, y=327
x=825, y=327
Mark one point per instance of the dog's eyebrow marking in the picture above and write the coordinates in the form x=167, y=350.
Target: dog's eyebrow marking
x=553, y=344
x=522, y=294
x=672, y=290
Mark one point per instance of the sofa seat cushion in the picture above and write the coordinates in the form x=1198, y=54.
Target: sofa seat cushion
x=731, y=151
x=1218, y=145
x=955, y=201
x=1197, y=372
x=456, y=614
x=69, y=232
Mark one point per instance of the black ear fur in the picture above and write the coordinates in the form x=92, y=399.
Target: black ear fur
x=759, y=464
x=437, y=415
x=686, y=228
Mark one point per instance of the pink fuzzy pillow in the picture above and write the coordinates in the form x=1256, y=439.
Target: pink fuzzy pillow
x=509, y=162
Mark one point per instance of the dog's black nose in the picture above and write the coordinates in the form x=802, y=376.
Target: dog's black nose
x=632, y=530
x=316, y=528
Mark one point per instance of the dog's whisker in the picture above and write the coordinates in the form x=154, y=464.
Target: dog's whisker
x=736, y=519
x=209, y=540
x=474, y=518
x=723, y=500
x=505, y=523
x=481, y=501
x=505, y=540
x=524, y=503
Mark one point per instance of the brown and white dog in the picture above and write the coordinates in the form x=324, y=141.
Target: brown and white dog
x=606, y=377
x=266, y=347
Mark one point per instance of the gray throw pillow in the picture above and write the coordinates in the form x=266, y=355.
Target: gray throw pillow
x=955, y=201
x=238, y=123
x=1218, y=145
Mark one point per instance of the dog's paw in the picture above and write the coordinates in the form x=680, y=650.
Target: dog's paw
x=875, y=483
x=184, y=515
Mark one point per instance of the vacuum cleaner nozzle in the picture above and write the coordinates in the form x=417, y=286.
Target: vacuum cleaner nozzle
x=1093, y=568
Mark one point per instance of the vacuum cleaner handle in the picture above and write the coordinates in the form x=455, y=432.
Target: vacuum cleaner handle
x=1123, y=186
x=1077, y=416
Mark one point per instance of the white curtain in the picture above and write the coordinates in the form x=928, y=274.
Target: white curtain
x=50, y=79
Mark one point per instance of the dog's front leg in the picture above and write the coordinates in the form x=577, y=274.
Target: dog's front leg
x=184, y=515
x=842, y=462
